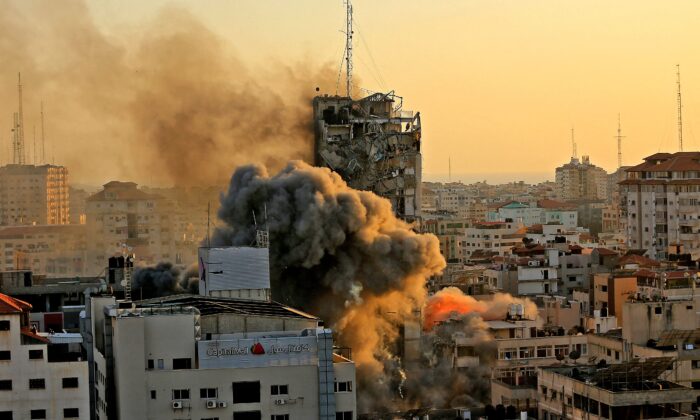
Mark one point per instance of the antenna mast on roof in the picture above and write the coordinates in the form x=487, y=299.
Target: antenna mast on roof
x=573, y=144
x=680, y=107
x=348, y=47
x=18, y=143
x=619, y=142
x=43, y=140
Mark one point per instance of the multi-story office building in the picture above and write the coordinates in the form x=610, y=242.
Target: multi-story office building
x=661, y=206
x=241, y=358
x=581, y=180
x=38, y=379
x=123, y=215
x=34, y=195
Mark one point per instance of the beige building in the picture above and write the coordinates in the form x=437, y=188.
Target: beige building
x=38, y=380
x=581, y=180
x=659, y=202
x=34, y=195
x=628, y=390
x=122, y=214
x=49, y=250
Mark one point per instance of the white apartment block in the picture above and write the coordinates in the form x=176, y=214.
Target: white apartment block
x=35, y=381
x=493, y=236
x=661, y=204
x=34, y=195
x=581, y=180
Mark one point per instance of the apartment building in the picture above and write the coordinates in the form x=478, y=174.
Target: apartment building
x=535, y=213
x=46, y=250
x=34, y=195
x=38, y=379
x=631, y=389
x=499, y=237
x=450, y=233
x=123, y=215
x=581, y=180
x=660, y=205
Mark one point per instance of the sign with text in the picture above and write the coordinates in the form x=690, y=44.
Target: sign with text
x=252, y=352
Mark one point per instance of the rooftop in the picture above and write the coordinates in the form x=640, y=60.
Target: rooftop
x=669, y=162
x=215, y=305
x=10, y=305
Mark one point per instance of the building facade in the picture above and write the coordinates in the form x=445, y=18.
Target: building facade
x=581, y=180
x=34, y=195
x=37, y=380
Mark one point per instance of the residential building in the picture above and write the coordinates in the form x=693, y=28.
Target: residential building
x=499, y=237
x=122, y=215
x=39, y=378
x=581, y=180
x=34, y=195
x=374, y=144
x=46, y=250
x=450, y=233
x=631, y=389
x=660, y=204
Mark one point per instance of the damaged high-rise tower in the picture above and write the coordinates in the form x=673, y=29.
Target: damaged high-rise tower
x=374, y=145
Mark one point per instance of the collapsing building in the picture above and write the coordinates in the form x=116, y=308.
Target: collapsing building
x=374, y=145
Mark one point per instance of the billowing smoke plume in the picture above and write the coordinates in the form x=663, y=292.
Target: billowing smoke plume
x=164, y=279
x=339, y=253
x=164, y=101
x=451, y=301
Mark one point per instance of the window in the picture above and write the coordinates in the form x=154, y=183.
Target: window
x=37, y=384
x=5, y=415
x=37, y=414
x=161, y=364
x=184, y=363
x=544, y=351
x=343, y=415
x=181, y=394
x=5, y=326
x=150, y=364
x=246, y=392
x=527, y=352
x=6, y=385
x=657, y=310
x=343, y=386
x=247, y=415
x=70, y=382
x=153, y=394
x=5, y=355
x=279, y=417
x=279, y=389
x=69, y=413
x=36, y=354
x=208, y=393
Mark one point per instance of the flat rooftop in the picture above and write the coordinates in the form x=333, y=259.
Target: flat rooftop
x=215, y=305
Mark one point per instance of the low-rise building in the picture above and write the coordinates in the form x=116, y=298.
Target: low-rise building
x=39, y=378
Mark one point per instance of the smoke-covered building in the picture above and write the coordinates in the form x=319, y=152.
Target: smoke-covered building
x=34, y=195
x=122, y=214
x=243, y=357
x=374, y=144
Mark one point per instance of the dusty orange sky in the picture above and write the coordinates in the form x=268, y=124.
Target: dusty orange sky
x=499, y=84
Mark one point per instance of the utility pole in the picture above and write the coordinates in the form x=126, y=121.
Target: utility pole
x=348, y=47
x=680, y=109
x=619, y=142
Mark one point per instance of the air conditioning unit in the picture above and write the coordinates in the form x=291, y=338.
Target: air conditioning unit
x=222, y=404
x=211, y=404
x=177, y=404
x=280, y=402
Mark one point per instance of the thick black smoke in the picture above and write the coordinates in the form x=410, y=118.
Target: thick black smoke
x=339, y=253
x=162, y=280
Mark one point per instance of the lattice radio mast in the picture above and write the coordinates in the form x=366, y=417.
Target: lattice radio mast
x=348, y=47
x=573, y=144
x=680, y=109
x=18, y=140
x=619, y=138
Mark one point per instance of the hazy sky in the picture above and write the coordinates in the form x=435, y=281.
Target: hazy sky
x=499, y=84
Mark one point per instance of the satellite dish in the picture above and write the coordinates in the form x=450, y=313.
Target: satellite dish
x=123, y=283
